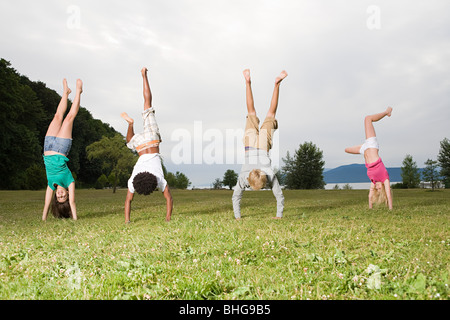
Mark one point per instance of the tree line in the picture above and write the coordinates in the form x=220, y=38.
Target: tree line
x=434, y=171
x=98, y=157
x=304, y=170
x=26, y=110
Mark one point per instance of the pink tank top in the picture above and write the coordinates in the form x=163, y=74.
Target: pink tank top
x=376, y=171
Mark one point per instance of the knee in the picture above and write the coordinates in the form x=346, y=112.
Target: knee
x=368, y=119
x=70, y=117
x=58, y=117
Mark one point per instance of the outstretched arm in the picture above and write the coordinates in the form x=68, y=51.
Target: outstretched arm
x=48, y=200
x=169, y=203
x=128, y=201
x=73, y=207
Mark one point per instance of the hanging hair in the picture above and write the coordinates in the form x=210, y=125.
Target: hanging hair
x=61, y=210
x=379, y=196
x=145, y=183
x=257, y=179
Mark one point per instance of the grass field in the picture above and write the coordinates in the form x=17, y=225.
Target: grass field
x=328, y=246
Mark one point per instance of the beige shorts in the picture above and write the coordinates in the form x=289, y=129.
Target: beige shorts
x=259, y=138
x=150, y=137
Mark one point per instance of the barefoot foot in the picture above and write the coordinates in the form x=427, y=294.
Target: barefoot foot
x=388, y=111
x=127, y=118
x=246, y=73
x=144, y=71
x=79, y=86
x=280, y=78
x=67, y=90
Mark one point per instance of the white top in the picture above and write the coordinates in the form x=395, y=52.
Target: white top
x=149, y=163
x=257, y=159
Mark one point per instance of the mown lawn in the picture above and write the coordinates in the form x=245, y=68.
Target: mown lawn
x=328, y=246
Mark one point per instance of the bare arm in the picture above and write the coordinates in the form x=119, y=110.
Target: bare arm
x=48, y=200
x=128, y=201
x=236, y=198
x=73, y=206
x=387, y=188
x=278, y=193
x=169, y=203
x=372, y=186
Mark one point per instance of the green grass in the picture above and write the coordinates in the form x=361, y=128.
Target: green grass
x=328, y=246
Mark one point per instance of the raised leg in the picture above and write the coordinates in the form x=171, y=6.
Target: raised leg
x=67, y=126
x=368, y=122
x=147, y=91
x=249, y=93
x=276, y=92
x=55, y=125
x=130, y=131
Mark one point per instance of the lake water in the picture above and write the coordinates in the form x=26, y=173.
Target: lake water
x=355, y=186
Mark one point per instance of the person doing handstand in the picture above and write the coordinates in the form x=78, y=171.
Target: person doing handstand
x=57, y=144
x=257, y=172
x=380, y=189
x=147, y=173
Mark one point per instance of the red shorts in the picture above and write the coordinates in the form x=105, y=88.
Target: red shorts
x=376, y=171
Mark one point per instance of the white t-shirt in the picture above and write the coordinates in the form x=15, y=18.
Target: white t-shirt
x=149, y=163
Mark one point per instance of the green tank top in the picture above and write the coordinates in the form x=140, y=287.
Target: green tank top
x=58, y=172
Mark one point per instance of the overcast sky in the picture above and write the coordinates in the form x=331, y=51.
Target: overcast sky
x=345, y=59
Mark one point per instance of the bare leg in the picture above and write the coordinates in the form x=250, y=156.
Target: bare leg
x=248, y=93
x=55, y=125
x=368, y=122
x=354, y=149
x=276, y=92
x=130, y=132
x=147, y=91
x=67, y=126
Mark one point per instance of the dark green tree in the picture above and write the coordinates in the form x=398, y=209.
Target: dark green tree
x=305, y=169
x=430, y=173
x=217, y=184
x=177, y=180
x=21, y=114
x=444, y=161
x=116, y=158
x=182, y=181
x=102, y=182
x=230, y=178
x=26, y=110
x=410, y=173
x=171, y=180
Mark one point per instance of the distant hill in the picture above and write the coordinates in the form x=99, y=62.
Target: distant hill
x=355, y=173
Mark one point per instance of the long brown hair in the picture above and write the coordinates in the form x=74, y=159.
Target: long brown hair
x=61, y=210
